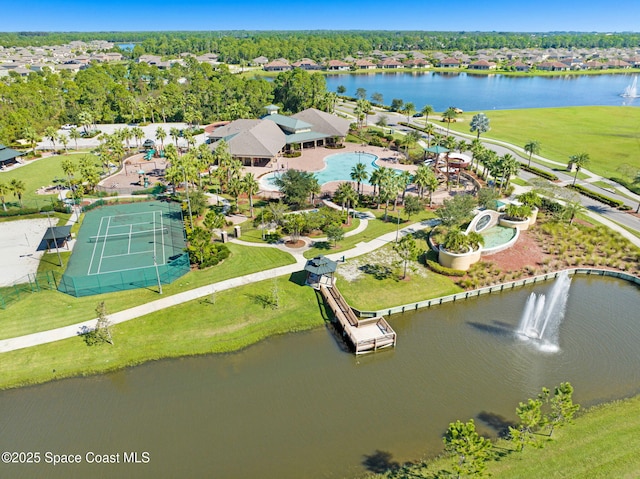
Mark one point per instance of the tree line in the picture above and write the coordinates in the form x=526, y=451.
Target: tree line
x=242, y=46
x=138, y=93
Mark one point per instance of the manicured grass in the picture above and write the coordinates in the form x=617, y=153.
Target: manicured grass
x=609, y=134
x=39, y=173
x=228, y=321
x=519, y=181
x=51, y=309
x=374, y=229
x=602, y=443
x=368, y=293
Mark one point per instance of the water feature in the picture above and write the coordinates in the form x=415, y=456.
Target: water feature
x=632, y=90
x=497, y=236
x=298, y=406
x=337, y=168
x=488, y=92
x=541, y=318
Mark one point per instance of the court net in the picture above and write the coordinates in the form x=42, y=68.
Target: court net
x=132, y=234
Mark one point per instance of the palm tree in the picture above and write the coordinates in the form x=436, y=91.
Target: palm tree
x=161, y=134
x=4, y=190
x=408, y=110
x=67, y=168
x=571, y=209
x=359, y=174
x=533, y=148
x=86, y=120
x=17, y=187
x=75, y=135
x=420, y=178
x=509, y=166
x=476, y=151
x=426, y=111
x=126, y=134
x=374, y=179
x=251, y=187
x=405, y=180
x=175, y=134
x=479, y=124
x=64, y=140
x=449, y=115
x=388, y=188
x=51, y=133
x=579, y=161
x=31, y=135
x=235, y=188
x=138, y=134
x=430, y=130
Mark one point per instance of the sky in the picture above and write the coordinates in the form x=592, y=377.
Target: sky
x=438, y=15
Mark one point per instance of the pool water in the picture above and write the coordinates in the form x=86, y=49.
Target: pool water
x=497, y=236
x=337, y=168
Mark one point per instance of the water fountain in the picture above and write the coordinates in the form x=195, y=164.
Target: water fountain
x=632, y=90
x=541, y=317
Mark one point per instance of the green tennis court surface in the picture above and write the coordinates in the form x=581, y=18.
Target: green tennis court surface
x=127, y=246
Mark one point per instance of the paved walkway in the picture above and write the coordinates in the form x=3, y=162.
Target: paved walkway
x=70, y=331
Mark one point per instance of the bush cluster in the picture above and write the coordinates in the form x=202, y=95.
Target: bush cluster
x=597, y=196
x=539, y=172
x=438, y=268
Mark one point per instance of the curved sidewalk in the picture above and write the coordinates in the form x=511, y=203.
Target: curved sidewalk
x=77, y=329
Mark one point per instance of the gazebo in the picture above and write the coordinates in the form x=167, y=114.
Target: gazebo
x=57, y=236
x=320, y=272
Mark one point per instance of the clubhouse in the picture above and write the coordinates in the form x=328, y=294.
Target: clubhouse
x=260, y=141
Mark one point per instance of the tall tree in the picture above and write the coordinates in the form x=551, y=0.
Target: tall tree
x=75, y=135
x=18, y=188
x=450, y=115
x=52, y=134
x=479, y=124
x=251, y=187
x=4, y=190
x=533, y=148
x=426, y=111
x=161, y=134
x=468, y=450
x=359, y=174
x=407, y=249
x=31, y=135
x=578, y=161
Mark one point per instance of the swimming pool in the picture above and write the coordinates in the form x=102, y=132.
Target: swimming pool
x=337, y=168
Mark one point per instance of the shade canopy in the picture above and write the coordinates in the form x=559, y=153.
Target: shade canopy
x=321, y=265
x=437, y=149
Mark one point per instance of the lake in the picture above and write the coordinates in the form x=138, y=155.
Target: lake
x=489, y=92
x=299, y=406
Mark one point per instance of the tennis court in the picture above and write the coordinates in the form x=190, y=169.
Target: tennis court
x=127, y=246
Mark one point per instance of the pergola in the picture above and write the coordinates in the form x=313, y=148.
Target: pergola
x=320, y=271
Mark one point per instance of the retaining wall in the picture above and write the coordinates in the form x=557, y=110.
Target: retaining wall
x=495, y=289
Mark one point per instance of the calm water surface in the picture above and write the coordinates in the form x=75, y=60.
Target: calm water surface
x=489, y=92
x=299, y=407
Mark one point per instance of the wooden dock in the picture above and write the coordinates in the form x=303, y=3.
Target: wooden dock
x=366, y=335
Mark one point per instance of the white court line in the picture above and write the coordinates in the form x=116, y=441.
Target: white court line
x=129, y=245
x=93, y=254
x=104, y=243
x=128, y=269
x=125, y=254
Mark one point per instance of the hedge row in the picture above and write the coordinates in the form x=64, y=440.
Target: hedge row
x=438, y=268
x=32, y=211
x=597, y=196
x=539, y=172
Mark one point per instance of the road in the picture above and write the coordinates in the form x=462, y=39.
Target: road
x=501, y=148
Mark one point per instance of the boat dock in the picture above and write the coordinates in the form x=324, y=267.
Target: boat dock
x=366, y=335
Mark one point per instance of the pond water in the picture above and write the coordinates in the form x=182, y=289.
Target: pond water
x=488, y=92
x=300, y=406
x=497, y=236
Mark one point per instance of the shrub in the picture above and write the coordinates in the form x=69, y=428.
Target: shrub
x=438, y=268
x=539, y=172
x=517, y=212
x=597, y=196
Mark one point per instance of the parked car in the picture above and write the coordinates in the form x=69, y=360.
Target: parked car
x=68, y=126
x=148, y=144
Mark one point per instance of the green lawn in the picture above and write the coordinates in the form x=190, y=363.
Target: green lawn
x=368, y=293
x=374, y=229
x=603, y=443
x=38, y=173
x=228, y=321
x=609, y=134
x=51, y=309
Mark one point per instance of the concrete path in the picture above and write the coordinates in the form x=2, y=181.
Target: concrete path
x=70, y=331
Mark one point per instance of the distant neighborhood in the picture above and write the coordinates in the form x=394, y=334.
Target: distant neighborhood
x=78, y=55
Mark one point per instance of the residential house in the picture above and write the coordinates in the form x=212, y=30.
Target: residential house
x=337, y=65
x=280, y=65
x=306, y=64
x=552, y=66
x=390, y=63
x=364, y=64
x=449, y=62
x=482, y=65
x=416, y=63
x=8, y=156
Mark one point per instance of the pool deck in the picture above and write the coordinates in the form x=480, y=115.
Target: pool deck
x=312, y=159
